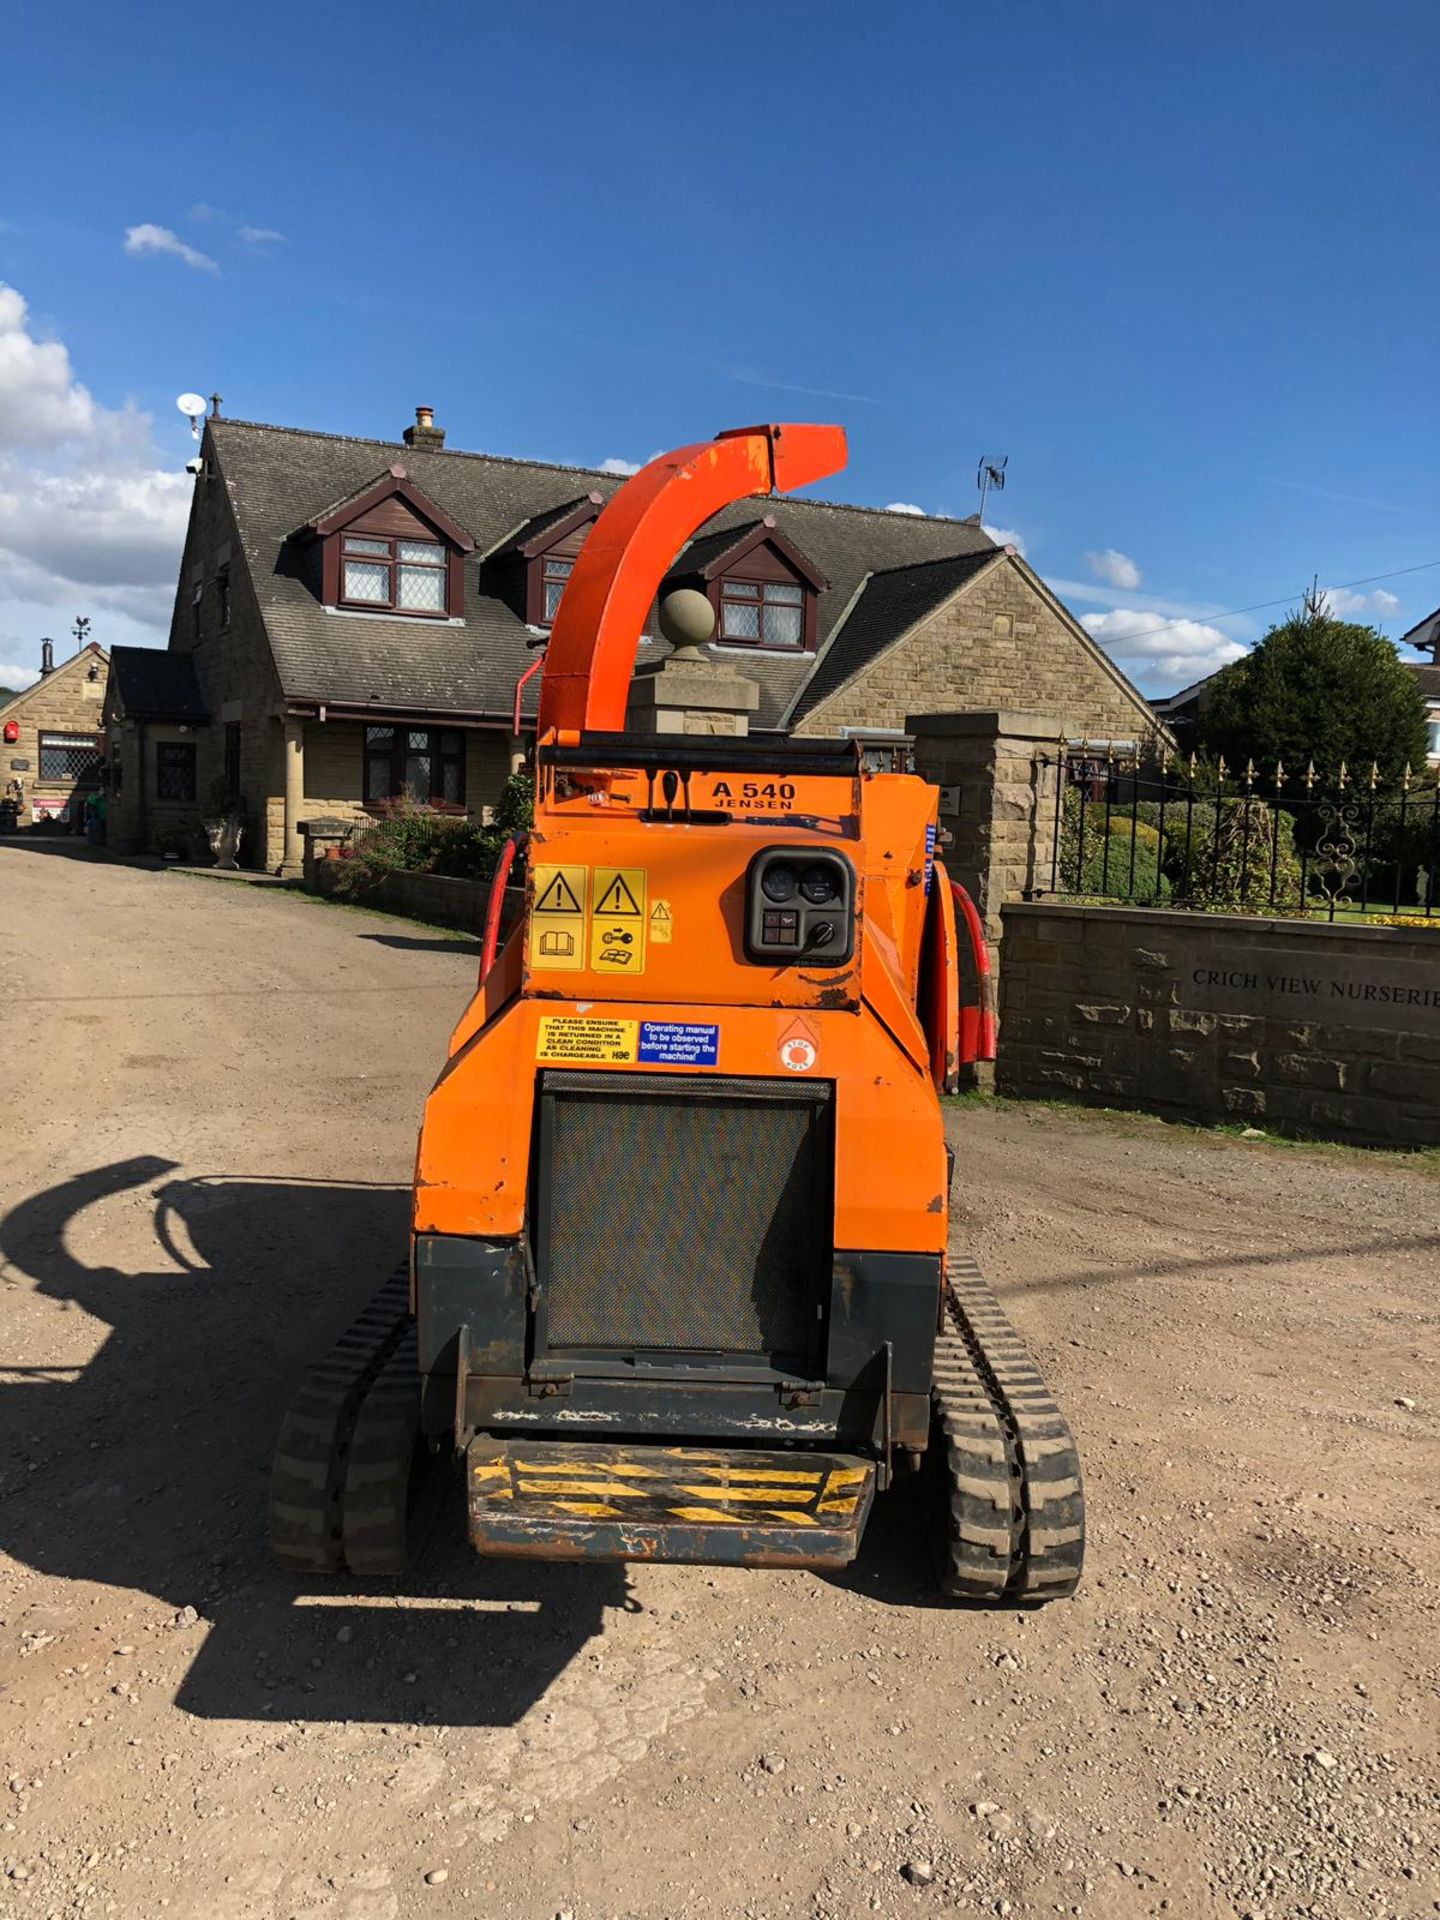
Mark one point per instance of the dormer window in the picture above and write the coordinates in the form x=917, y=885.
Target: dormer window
x=763, y=589
x=767, y=613
x=402, y=576
x=556, y=572
x=391, y=550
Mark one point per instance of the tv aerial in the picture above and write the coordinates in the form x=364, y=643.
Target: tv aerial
x=193, y=406
x=990, y=475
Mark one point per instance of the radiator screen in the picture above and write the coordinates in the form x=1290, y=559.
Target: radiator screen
x=684, y=1213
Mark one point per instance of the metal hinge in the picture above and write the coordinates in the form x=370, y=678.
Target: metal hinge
x=799, y=1396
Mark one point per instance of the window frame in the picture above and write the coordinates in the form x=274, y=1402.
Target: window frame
x=564, y=566
x=399, y=750
x=222, y=587
x=60, y=741
x=391, y=561
x=186, y=752
x=757, y=594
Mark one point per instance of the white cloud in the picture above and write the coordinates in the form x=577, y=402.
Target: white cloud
x=1115, y=568
x=1006, y=537
x=616, y=465
x=905, y=506
x=1342, y=602
x=1163, y=655
x=260, y=236
x=90, y=522
x=147, y=238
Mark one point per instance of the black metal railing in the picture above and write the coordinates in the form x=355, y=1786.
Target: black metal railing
x=1152, y=830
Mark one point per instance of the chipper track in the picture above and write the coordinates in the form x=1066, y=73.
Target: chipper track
x=1013, y=1523
x=352, y=1485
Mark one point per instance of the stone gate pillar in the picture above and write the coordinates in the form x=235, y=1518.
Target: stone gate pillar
x=997, y=771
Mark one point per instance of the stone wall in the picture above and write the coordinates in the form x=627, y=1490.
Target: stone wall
x=436, y=898
x=1000, y=642
x=1295, y=1026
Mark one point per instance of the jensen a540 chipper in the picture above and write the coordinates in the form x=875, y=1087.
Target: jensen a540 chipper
x=679, y=1283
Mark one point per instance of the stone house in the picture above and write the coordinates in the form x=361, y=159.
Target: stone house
x=357, y=619
x=1426, y=634
x=52, y=735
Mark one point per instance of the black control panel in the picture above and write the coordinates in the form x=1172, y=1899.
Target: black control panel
x=800, y=906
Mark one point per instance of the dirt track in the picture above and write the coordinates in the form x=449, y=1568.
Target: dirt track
x=209, y=1129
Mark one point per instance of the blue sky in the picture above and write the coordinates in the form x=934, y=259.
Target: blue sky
x=1179, y=263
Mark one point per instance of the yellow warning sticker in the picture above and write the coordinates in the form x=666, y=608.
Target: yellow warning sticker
x=557, y=922
x=618, y=921
x=661, y=923
x=565, y=1036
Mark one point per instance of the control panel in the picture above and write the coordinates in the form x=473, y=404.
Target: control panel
x=800, y=906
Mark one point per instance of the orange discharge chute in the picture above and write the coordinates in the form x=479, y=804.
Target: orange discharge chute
x=591, y=656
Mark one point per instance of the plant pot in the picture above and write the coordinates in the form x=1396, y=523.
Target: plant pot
x=224, y=835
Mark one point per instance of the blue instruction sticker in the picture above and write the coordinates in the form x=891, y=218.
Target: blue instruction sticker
x=929, y=856
x=678, y=1043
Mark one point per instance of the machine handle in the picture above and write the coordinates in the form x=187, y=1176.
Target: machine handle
x=495, y=904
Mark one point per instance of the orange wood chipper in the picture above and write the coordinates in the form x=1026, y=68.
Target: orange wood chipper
x=679, y=1284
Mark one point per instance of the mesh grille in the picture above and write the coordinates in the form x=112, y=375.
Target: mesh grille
x=684, y=1213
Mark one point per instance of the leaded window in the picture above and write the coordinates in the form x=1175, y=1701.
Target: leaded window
x=424, y=764
x=556, y=574
x=396, y=576
x=70, y=756
x=762, y=613
x=174, y=769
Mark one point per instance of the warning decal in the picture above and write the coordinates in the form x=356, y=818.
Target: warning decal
x=619, y=920
x=679, y=1043
x=661, y=923
x=559, y=895
x=557, y=921
x=565, y=1036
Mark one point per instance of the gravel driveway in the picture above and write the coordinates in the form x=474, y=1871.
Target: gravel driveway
x=213, y=1091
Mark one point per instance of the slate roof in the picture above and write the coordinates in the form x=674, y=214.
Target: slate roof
x=280, y=478
x=151, y=685
x=890, y=605
x=1429, y=678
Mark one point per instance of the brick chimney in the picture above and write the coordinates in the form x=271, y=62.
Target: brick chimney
x=425, y=436
x=47, y=658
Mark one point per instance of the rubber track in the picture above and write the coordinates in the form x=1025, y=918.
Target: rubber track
x=1016, y=1520
x=308, y=1478
x=393, y=1485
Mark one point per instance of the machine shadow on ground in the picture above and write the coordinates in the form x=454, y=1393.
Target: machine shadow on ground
x=148, y=1466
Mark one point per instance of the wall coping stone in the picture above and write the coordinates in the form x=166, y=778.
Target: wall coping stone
x=1227, y=922
x=985, y=723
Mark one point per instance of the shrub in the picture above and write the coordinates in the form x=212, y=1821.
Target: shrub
x=1121, y=864
x=1228, y=859
x=411, y=839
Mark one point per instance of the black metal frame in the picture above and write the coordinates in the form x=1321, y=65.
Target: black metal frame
x=1283, y=843
x=681, y=754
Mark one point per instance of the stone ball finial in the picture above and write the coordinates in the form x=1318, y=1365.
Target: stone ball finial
x=687, y=618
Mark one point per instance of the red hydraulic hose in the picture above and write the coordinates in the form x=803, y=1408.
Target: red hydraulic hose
x=977, y=1018
x=495, y=905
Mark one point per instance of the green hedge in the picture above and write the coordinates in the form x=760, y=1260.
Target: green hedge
x=411, y=839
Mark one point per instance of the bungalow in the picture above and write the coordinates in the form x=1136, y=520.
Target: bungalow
x=360, y=619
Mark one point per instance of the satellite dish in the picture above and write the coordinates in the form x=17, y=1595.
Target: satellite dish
x=193, y=405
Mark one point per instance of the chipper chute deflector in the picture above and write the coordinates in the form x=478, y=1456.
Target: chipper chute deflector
x=679, y=1284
